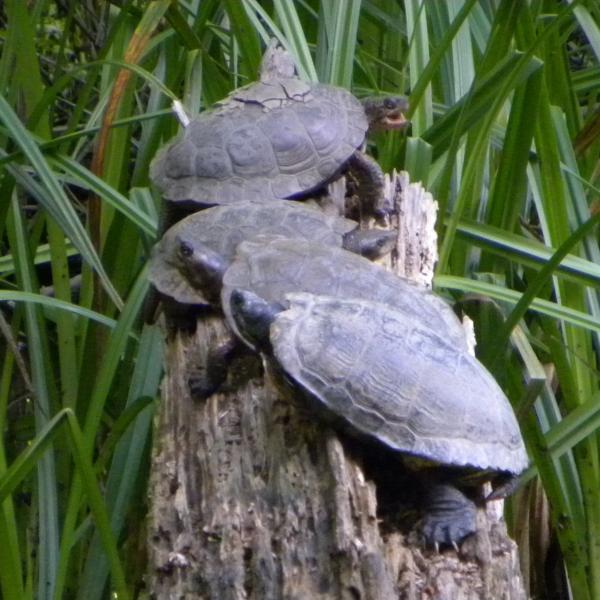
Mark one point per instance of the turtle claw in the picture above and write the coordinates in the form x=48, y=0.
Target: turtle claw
x=451, y=517
x=439, y=531
x=383, y=209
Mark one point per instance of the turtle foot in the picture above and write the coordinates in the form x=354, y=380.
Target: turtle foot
x=450, y=517
x=205, y=380
x=383, y=209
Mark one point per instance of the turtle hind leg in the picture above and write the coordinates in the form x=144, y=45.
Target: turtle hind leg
x=450, y=516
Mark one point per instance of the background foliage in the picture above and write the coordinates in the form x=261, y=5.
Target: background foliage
x=505, y=133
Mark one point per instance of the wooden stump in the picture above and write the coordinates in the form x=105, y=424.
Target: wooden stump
x=252, y=497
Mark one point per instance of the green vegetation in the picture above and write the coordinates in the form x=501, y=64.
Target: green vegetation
x=505, y=110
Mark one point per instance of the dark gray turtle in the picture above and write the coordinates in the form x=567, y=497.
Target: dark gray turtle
x=279, y=138
x=272, y=266
x=393, y=379
x=183, y=254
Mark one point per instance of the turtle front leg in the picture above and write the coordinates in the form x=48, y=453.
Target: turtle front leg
x=225, y=366
x=206, y=379
x=370, y=182
x=450, y=515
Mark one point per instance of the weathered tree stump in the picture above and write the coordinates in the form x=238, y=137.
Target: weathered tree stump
x=252, y=497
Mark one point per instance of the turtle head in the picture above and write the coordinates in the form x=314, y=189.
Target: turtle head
x=202, y=267
x=386, y=112
x=370, y=243
x=253, y=316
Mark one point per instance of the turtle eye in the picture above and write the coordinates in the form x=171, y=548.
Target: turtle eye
x=186, y=249
x=389, y=103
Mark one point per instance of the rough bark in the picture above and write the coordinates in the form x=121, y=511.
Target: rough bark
x=254, y=497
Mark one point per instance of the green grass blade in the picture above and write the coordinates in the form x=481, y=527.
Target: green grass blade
x=574, y=428
x=127, y=459
x=66, y=339
x=589, y=26
x=418, y=160
x=527, y=251
x=422, y=78
x=544, y=275
x=11, y=572
x=96, y=503
x=30, y=457
x=33, y=455
x=57, y=198
x=292, y=38
x=477, y=104
x=512, y=298
x=111, y=358
x=342, y=44
x=61, y=140
x=296, y=38
x=42, y=256
x=55, y=303
x=418, y=58
x=245, y=36
x=511, y=177
x=43, y=387
x=86, y=179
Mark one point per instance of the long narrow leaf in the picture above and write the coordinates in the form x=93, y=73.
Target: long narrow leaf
x=57, y=197
x=32, y=456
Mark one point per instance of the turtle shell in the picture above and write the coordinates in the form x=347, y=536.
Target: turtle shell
x=273, y=267
x=267, y=141
x=223, y=228
x=394, y=379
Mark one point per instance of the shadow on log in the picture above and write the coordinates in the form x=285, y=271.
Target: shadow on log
x=252, y=497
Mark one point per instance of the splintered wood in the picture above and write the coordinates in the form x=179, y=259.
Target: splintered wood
x=416, y=249
x=253, y=497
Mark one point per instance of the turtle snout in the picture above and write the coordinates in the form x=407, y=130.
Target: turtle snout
x=395, y=109
x=386, y=112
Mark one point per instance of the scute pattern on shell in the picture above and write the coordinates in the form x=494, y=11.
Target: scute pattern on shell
x=248, y=151
x=223, y=228
x=389, y=377
x=273, y=268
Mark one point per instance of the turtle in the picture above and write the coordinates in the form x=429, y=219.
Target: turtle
x=273, y=265
x=279, y=138
x=195, y=273
x=396, y=382
x=221, y=229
